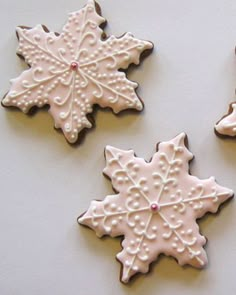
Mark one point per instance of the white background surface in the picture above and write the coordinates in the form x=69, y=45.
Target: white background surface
x=186, y=85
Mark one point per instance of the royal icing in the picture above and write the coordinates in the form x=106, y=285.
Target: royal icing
x=155, y=208
x=75, y=70
x=227, y=125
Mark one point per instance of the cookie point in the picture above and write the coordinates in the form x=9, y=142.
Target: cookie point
x=219, y=127
x=19, y=29
x=125, y=279
x=182, y=135
x=231, y=193
x=4, y=102
x=108, y=148
x=234, y=106
x=140, y=106
x=91, y=2
x=150, y=45
x=80, y=220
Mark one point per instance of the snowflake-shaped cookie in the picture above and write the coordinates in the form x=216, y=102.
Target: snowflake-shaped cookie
x=75, y=70
x=227, y=125
x=156, y=207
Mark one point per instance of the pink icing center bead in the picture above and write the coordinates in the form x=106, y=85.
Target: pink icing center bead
x=74, y=66
x=154, y=207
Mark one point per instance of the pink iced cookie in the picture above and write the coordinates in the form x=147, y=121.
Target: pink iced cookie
x=227, y=125
x=155, y=208
x=75, y=70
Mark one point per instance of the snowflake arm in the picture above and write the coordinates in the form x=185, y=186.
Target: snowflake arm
x=108, y=217
x=156, y=207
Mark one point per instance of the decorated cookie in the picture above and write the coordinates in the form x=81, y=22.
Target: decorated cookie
x=227, y=125
x=155, y=208
x=75, y=70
